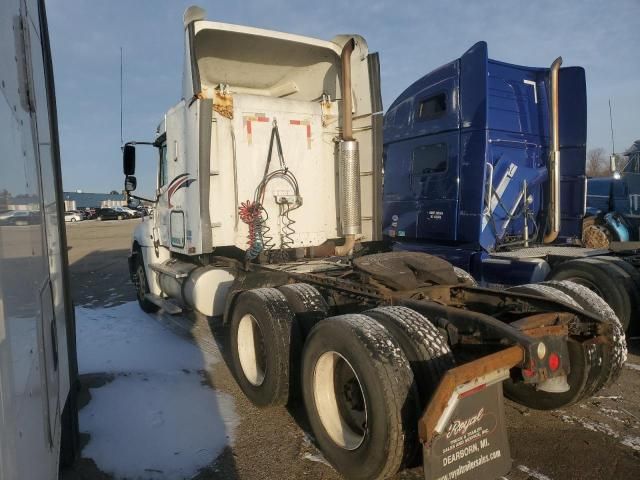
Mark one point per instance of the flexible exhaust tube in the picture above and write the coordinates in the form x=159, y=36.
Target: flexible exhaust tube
x=554, y=158
x=348, y=162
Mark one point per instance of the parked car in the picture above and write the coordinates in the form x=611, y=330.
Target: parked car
x=89, y=213
x=82, y=213
x=109, y=214
x=20, y=217
x=144, y=211
x=73, y=216
x=128, y=212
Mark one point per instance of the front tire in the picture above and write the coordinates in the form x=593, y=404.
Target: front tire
x=360, y=397
x=265, y=346
x=142, y=285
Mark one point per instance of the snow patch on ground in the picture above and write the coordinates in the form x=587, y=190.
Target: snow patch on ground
x=533, y=473
x=313, y=455
x=157, y=418
x=599, y=427
x=632, y=366
x=125, y=339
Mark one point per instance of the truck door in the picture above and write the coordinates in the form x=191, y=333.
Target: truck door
x=434, y=185
x=422, y=162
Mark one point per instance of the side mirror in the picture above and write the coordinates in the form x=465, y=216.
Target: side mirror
x=130, y=183
x=129, y=159
x=133, y=203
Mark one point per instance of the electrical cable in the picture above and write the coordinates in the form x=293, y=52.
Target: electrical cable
x=255, y=215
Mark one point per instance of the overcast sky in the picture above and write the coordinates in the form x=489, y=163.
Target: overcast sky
x=413, y=38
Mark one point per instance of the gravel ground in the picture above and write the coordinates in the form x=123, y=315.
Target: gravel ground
x=599, y=439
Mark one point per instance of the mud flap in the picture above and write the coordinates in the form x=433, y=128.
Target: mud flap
x=474, y=442
x=463, y=429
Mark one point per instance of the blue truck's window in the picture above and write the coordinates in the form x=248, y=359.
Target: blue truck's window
x=432, y=107
x=427, y=160
x=598, y=188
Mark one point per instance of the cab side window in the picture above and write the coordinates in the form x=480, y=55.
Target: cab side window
x=428, y=160
x=432, y=107
x=163, y=174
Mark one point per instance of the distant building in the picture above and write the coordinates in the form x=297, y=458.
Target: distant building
x=80, y=200
x=19, y=202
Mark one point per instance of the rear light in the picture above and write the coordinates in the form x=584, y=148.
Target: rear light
x=554, y=361
x=527, y=372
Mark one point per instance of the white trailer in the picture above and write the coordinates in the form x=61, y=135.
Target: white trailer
x=38, y=372
x=267, y=214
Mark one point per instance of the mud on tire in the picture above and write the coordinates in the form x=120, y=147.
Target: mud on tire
x=359, y=396
x=265, y=346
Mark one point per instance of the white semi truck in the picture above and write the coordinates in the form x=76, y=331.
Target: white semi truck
x=267, y=216
x=38, y=372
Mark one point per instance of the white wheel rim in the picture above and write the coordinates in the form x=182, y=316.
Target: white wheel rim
x=329, y=394
x=250, y=350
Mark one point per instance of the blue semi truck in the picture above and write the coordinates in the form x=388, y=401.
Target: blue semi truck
x=613, y=203
x=484, y=165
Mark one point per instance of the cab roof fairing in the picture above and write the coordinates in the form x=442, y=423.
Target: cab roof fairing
x=479, y=48
x=264, y=62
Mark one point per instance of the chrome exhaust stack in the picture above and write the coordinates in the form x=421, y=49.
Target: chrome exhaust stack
x=554, y=158
x=348, y=162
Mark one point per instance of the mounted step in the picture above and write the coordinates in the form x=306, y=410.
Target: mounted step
x=164, y=304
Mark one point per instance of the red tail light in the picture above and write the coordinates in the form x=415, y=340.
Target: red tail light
x=554, y=361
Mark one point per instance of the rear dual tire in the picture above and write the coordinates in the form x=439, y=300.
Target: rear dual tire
x=364, y=378
x=265, y=346
x=591, y=366
x=360, y=398
x=613, y=354
x=610, y=281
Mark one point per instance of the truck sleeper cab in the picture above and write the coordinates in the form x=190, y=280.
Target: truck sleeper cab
x=267, y=217
x=469, y=152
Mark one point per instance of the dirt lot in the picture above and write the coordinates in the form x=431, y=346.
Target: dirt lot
x=599, y=439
